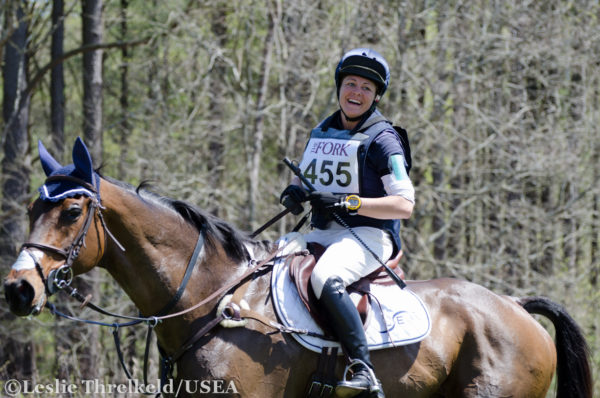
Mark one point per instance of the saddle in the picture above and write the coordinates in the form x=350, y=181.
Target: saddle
x=301, y=265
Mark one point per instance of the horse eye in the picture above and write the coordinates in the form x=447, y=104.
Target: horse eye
x=71, y=214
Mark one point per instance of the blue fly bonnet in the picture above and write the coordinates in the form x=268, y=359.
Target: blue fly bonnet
x=55, y=189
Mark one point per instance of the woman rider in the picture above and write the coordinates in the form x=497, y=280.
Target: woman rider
x=358, y=165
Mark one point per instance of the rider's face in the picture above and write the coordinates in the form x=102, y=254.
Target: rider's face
x=356, y=95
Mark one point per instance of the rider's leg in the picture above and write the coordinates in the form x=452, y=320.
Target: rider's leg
x=346, y=323
x=344, y=262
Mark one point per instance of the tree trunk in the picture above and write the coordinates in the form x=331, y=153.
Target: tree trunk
x=57, y=123
x=254, y=156
x=57, y=81
x=16, y=355
x=92, y=133
x=92, y=79
x=125, y=127
x=216, y=147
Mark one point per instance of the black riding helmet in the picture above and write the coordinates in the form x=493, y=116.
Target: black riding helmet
x=366, y=63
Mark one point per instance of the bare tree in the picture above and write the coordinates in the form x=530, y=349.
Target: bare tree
x=88, y=354
x=17, y=358
x=57, y=80
x=92, y=77
x=124, y=124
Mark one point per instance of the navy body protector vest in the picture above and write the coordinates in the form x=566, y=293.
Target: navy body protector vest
x=366, y=134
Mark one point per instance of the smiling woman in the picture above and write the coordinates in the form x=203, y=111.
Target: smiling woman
x=357, y=95
x=362, y=192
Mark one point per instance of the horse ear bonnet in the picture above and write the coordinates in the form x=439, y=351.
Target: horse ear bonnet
x=83, y=161
x=49, y=164
x=81, y=168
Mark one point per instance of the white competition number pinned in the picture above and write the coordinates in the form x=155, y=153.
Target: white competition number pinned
x=331, y=165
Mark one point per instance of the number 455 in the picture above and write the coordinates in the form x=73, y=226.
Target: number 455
x=329, y=172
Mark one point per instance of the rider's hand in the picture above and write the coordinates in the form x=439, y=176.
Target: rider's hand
x=292, y=198
x=327, y=202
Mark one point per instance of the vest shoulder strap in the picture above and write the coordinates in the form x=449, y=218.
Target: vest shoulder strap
x=402, y=134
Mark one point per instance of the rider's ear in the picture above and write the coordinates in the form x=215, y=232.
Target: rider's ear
x=49, y=164
x=83, y=160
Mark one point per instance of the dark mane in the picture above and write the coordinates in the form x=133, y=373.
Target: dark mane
x=215, y=230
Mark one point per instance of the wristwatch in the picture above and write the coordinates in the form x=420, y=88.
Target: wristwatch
x=353, y=203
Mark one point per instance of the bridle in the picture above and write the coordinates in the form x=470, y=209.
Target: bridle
x=61, y=277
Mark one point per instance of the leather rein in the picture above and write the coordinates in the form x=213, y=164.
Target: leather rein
x=61, y=278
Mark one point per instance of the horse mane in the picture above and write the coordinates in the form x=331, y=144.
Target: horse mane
x=216, y=231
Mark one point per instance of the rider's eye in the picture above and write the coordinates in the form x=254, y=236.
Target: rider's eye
x=71, y=214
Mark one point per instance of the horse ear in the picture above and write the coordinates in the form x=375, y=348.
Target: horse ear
x=83, y=160
x=49, y=164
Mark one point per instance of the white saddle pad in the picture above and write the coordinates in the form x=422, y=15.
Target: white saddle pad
x=403, y=318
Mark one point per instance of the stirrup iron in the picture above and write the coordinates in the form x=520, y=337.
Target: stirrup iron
x=375, y=385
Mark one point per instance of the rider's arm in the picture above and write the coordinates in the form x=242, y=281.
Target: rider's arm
x=386, y=208
x=400, y=199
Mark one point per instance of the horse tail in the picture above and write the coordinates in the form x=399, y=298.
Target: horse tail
x=573, y=371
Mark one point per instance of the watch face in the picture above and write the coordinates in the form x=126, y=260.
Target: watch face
x=353, y=202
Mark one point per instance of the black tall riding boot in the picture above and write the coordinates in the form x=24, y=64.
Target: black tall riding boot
x=346, y=323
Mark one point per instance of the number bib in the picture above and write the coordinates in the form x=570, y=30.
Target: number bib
x=331, y=164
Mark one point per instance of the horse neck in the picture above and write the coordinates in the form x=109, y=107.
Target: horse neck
x=158, y=245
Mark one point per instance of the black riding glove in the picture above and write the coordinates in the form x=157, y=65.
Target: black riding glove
x=292, y=198
x=327, y=202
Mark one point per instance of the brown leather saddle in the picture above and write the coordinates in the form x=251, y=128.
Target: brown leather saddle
x=301, y=265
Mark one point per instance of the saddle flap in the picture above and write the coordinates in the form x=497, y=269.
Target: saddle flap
x=301, y=265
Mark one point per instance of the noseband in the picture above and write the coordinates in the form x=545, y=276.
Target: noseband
x=62, y=276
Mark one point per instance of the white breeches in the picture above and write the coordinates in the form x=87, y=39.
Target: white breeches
x=345, y=256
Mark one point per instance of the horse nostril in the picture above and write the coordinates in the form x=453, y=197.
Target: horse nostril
x=19, y=295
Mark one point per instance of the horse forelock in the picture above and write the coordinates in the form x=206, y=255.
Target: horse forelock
x=215, y=231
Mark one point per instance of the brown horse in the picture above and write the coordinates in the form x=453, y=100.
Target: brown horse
x=481, y=344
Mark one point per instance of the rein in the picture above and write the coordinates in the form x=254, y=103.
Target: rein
x=167, y=362
x=61, y=278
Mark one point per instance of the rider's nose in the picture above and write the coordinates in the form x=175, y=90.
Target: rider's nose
x=19, y=295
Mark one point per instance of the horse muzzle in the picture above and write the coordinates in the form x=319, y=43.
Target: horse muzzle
x=20, y=295
x=23, y=289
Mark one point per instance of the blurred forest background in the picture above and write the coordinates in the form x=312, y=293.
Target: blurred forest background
x=501, y=99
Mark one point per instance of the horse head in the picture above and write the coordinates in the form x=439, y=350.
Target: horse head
x=66, y=237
